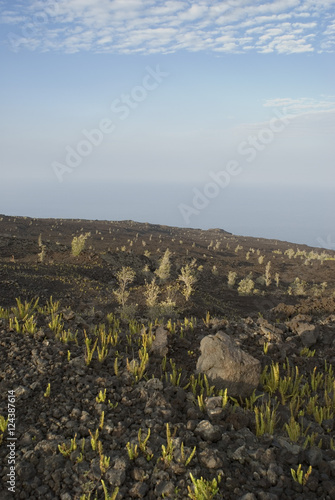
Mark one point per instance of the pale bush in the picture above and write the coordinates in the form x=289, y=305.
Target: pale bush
x=78, y=243
x=124, y=277
x=151, y=293
x=298, y=287
x=231, y=278
x=246, y=286
x=290, y=252
x=163, y=272
x=188, y=278
x=267, y=274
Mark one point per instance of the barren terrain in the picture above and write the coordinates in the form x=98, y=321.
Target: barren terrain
x=81, y=354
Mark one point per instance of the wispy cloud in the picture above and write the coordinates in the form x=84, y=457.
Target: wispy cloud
x=303, y=104
x=308, y=113
x=150, y=26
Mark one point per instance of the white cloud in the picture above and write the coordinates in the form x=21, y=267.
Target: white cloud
x=126, y=26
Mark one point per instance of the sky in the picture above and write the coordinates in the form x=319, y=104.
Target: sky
x=191, y=114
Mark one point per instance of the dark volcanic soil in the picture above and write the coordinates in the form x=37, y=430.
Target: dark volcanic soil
x=36, y=263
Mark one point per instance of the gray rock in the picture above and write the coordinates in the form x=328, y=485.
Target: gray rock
x=26, y=471
x=309, y=337
x=208, y=458
x=240, y=454
x=291, y=448
x=313, y=456
x=154, y=384
x=65, y=496
x=139, y=490
x=164, y=488
x=248, y=496
x=269, y=331
x=228, y=366
x=159, y=345
x=116, y=477
x=208, y=432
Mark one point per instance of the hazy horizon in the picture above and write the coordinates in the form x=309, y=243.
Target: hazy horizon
x=282, y=214
x=200, y=114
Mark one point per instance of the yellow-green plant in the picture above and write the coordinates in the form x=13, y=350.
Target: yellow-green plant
x=175, y=376
x=67, y=450
x=167, y=451
x=225, y=397
x=29, y=326
x=137, y=368
x=104, y=463
x=290, y=384
x=3, y=423
x=23, y=311
x=265, y=418
x=94, y=439
x=322, y=413
x=294, y=430
x=143, y=444
x=113, y=495
x=132, y=450
x=316, y=380
x=102, y=353
x=51, y=307
x=101, y=397
x=308, y=353
x=3, y=427
x=183, y=459
x=270, y=381
x=299, y=476
x=4, y=313
x=102, y=419
x=209, y=388
x=250, y=402
x=203, y=489
x=201, y=403
x=207, y=320
x=56, y=324
x=116, y=367
x=47, y=391
x=89, y=352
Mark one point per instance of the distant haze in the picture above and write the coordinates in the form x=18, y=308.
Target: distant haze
x=300, y=216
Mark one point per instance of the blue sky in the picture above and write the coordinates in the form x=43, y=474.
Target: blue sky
x=128, y=94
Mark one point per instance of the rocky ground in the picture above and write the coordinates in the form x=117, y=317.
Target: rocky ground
x=142, y=380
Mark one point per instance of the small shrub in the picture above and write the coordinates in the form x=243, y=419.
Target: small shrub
x=231, y=278
x=78, y=244
x=246, y=286
x=163, y=272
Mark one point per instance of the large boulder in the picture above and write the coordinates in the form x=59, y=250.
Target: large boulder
x=227, y=366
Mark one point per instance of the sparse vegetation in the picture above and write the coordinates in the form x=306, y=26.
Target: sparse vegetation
x=109, y=365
